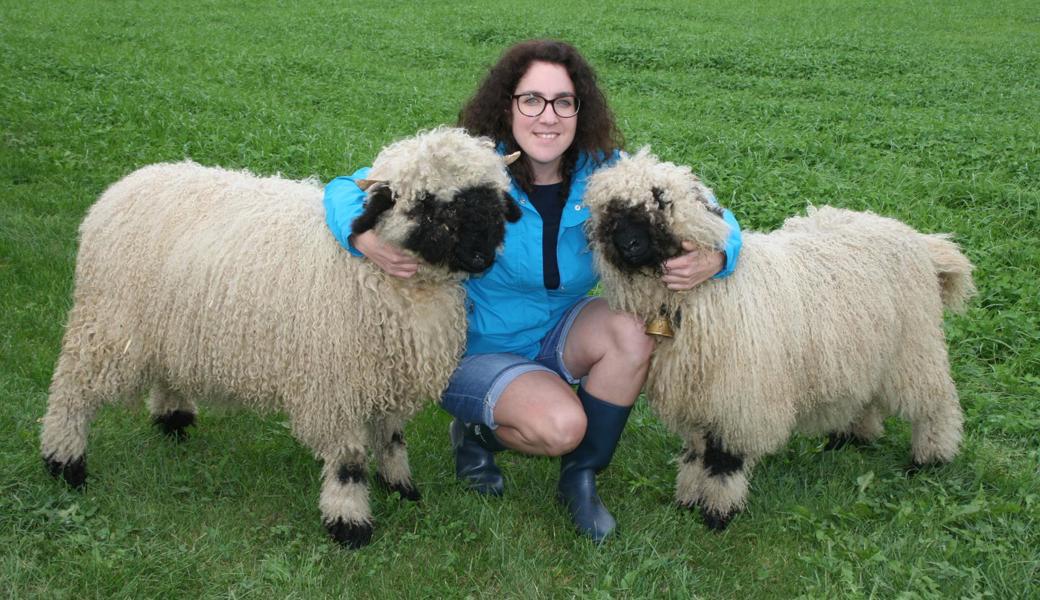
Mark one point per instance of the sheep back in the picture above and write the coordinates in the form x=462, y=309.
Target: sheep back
x=806, y=326
x=225, y=284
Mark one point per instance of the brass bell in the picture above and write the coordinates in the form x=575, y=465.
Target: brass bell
x=660, y=326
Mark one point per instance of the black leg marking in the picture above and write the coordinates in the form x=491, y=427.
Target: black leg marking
x=350, y=535
x=837, y=441
x=174, y=424
x=689, y=455
x=351, y=473
x=74, y=473
x=915, y=468
x=716, y=521
x=406, y=489
x=397, y=438
x=718, y=461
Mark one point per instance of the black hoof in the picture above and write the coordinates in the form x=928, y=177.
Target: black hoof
x=915, y=468
x=350, y=535
x=837, y=441
x=173, y=424
x=405, y=489
x=716, y=521
x=713, y=520
x=74, y=473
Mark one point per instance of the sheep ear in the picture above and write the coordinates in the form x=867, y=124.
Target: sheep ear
x=715, y=209
x=380, y=200
x=659, y=198
x=364, y=184
x=513, y=213
x=511, y=158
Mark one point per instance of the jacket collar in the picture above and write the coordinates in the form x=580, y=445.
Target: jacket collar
x=574, y=211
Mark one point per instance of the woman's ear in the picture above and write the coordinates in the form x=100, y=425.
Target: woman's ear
x=380, y=199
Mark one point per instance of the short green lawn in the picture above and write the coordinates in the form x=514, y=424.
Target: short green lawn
x=923, y=111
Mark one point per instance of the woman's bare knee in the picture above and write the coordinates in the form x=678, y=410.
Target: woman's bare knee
x=629, y=338
x=602, y=335
x=563, y=432
x=544, y=413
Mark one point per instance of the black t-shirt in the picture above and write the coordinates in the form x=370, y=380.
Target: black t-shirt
x=546, y=199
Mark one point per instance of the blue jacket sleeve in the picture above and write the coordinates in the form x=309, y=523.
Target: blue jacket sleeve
x=733, y=243
x=344, y=202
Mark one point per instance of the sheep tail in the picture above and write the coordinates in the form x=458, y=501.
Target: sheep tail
x=954, y=271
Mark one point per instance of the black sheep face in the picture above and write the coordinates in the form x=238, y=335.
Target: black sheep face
x=464, y=233
x=461, y=235
x=636, y=236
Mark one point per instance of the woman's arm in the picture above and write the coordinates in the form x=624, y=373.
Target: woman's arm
x=345, y=202
x=696, y=266
x=733, y=243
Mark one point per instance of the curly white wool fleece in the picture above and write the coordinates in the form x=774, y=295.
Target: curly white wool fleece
x=827, y=325
x=202, y=282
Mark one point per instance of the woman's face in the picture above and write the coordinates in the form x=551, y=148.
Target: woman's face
x=546, y=137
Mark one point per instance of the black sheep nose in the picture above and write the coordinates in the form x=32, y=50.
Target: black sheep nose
x=631, y=244
x=476, y=262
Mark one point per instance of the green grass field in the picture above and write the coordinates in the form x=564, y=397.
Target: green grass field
x=923, y=111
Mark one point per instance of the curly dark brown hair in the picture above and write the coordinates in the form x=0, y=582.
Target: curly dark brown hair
x=489, y=111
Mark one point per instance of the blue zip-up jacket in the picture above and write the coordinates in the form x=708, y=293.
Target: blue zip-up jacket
x=508, y=307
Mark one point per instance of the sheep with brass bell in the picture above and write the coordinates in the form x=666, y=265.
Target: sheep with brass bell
x=827, y=326
x=202, y=283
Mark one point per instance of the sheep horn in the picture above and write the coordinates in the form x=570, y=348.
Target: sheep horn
x=511, y=158
x=364, y=184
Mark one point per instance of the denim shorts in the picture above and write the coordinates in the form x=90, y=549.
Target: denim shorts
x=480, y=379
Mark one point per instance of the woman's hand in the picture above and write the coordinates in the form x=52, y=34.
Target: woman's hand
x=691, y=268
x=386, y=256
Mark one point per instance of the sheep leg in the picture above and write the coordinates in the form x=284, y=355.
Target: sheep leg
x=344, y=497
x=936, y=426
x=689, y=481
x=83, y=381
x=867, y=427
x=170, y=411
x=712, y=479
x=870, y=425
x=63, y=440
x=923, y=393
x=391, y=452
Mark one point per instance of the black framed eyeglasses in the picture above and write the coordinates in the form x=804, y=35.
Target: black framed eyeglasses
x=533, y=105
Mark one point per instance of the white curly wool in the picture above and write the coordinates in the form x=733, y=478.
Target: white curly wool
x=202, y=283
x=827, y=325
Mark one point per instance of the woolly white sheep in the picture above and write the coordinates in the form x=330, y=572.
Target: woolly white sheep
x=195, y=282
x=828, y=325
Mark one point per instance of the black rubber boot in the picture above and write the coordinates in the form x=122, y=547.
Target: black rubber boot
x=475, y=447
x=577, y=487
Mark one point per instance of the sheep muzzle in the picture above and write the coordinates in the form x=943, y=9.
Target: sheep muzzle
x=632, y=239
x=464, y=233
x=633, y=245
x=476, y=261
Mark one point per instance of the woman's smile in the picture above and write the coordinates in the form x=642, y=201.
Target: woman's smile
x=544, y=138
